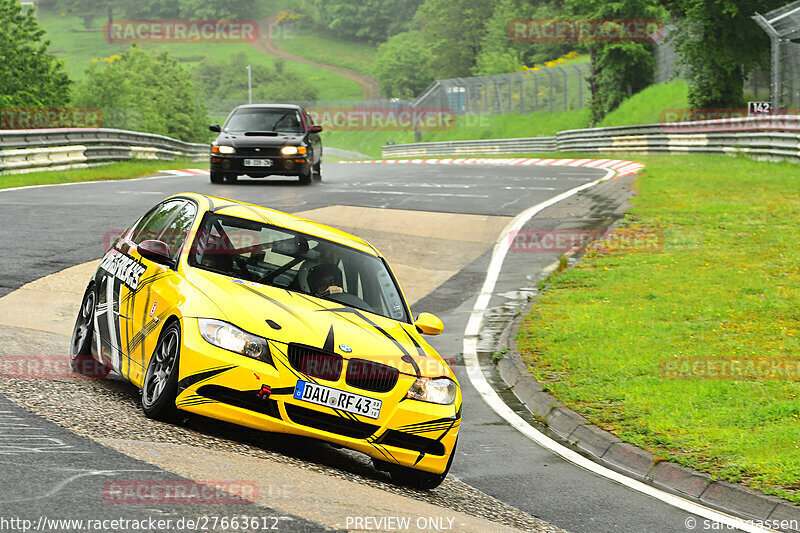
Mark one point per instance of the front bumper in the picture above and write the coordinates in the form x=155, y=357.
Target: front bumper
x=224, y=385
x=281, y=165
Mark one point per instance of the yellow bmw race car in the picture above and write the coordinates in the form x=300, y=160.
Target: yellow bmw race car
x=274, y=322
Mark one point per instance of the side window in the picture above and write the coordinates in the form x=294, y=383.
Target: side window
x=178, y=229
x=157, y=222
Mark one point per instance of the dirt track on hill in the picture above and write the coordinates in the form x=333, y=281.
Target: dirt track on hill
x=265, y=44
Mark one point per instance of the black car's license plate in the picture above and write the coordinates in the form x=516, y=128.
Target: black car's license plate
x=258, y=162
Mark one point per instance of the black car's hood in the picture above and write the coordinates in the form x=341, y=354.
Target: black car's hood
x=242, y=140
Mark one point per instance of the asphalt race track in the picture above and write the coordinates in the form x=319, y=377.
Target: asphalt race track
x=48, y=229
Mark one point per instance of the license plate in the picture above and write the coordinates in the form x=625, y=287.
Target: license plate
x=258, y=162
x=338, y=399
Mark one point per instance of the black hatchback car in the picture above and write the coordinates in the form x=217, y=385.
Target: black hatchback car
x=260, y=140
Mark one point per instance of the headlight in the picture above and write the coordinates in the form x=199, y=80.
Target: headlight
x=229, y=337
x=223, y=149
x=292, y=150
x=438, y=390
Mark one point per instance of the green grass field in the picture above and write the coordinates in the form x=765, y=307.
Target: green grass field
x=328, y=50
x=724, y=285
x=649, y=106
x=114, y=171
x=78, y=47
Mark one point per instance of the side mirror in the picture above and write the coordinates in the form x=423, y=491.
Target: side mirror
x=429, y=324
x=316, y=128
x=215, y=128
x=156, y=251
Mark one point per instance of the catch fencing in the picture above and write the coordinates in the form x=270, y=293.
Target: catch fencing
x=55, y=149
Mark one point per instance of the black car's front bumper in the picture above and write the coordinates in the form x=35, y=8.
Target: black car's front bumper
x=295, y=165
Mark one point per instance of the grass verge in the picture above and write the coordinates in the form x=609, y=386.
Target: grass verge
x=724, y=286
x=114, y=171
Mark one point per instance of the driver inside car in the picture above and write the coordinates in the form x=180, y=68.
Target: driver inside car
x=325, y=279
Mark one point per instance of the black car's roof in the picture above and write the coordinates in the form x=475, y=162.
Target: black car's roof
x=268, y=106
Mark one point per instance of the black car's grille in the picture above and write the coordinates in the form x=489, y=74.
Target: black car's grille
x=258, y=151
x=411, y=442
x=244, y=399
x=371, y=376
x=330, y=423
x=315, y=363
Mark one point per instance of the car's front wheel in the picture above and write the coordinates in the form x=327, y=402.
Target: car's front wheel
x=217, y=177
x=317, y=175
x=160, y=385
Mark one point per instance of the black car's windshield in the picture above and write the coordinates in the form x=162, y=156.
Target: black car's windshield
x=251, y=251
x=264, y=120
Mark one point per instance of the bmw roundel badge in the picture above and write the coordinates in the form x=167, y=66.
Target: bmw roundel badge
x=345, y=348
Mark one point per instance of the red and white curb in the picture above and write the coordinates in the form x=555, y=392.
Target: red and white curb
x=620, y=167
x=185, y=172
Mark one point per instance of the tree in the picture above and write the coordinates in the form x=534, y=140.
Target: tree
x=453, y=31
x=497, y=54
x=623, y=68
x=375, y=20
x=403, y=65
x=145, y=91
x=29, y=76
x=719, y=44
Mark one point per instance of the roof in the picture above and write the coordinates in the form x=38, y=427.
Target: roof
x=269, y=106
x=258, y=213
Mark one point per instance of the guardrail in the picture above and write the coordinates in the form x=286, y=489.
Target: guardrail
x=55, y=149
x=771, y=138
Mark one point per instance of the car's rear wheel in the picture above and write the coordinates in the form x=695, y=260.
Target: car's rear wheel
x=80, y=350
x=416, y=479
x=160, y=385
x=216, y=177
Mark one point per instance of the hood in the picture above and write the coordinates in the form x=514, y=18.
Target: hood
x=247, y=141
x=319, y=323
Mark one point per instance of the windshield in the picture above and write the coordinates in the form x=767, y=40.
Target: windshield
x=253, y=251
x=277, y=120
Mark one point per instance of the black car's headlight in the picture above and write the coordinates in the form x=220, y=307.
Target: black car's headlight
x=229, y=337
x=223, y=149
x=433, y=390
x=292, y=150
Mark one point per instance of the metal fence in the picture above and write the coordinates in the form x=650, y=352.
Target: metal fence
x=782, y=25
x=551, y=89
x=757, y=87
